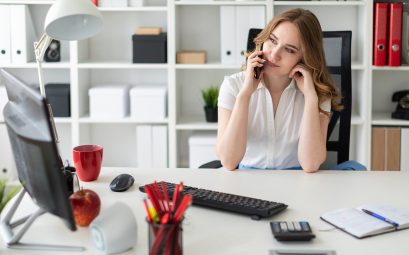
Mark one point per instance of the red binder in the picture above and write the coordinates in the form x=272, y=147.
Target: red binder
x=380, y=33
x=395, y=34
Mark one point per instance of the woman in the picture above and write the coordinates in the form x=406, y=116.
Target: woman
x=279, y=121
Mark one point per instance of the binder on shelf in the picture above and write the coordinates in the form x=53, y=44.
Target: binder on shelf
x=246, y=17
x=405, y=36
x=227, y=36
x=386, y=149
x=23, y=35
x=235, y=23
x=380, y=34
x=152, y=144
x=395, y=34
x=144, y=145
x=159, y=146
x=404, y=149
x=5, y=33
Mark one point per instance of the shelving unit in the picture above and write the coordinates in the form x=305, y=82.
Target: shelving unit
x=195, y=25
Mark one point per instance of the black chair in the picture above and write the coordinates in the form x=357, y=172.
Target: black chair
x=337, y=47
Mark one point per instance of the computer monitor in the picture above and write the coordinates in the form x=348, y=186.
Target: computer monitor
x=35, y=152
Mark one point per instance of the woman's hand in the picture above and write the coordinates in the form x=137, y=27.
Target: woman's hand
x=250, y=83
x=302, y=76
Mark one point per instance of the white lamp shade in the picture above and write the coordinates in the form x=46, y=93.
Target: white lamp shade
x=72, y=20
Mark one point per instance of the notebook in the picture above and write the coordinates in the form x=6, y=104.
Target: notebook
x=368, y=220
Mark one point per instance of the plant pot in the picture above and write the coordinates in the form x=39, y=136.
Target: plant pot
x=211, y=114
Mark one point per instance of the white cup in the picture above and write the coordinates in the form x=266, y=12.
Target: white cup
x=114, y=230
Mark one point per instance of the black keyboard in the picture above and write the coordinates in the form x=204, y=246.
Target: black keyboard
x=257, y=208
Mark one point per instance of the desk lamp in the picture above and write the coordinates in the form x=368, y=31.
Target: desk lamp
x=67, y=20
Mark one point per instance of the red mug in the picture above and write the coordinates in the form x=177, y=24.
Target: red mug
x=87, y=161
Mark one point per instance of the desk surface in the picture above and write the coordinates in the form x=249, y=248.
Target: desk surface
x=213, y=232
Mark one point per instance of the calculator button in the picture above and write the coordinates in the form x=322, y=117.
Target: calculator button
x=305, y=226
x=276, y=227
x=297, y=226
x=283, y=226
x=290, y=226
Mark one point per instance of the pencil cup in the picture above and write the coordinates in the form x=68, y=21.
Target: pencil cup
x=165, y=238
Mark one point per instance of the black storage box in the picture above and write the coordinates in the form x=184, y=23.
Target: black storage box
x=58, y=96
x=150, y=48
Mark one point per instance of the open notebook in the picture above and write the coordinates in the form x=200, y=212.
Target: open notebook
x=376, y=220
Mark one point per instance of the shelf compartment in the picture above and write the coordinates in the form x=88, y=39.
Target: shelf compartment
x=45, y=65
x=385, y=119
x=120, y=65
x=134, y=9
x=320, y=3
x=220, y=2
x=129, y=120
x=195, y=123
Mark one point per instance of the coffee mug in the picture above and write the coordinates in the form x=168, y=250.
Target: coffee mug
x=88, y=161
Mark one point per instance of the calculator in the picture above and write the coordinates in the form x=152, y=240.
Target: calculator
x=291, y=230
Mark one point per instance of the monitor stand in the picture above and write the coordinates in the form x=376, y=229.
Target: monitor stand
x=13, y=239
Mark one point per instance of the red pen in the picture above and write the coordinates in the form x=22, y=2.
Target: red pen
x=165, y=191
x=186, y=201
x=147, y=210
x=175, y=197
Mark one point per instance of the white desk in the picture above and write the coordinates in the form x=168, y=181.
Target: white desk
x=214, y=232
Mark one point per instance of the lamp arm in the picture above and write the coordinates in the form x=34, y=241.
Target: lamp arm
x=40, y=48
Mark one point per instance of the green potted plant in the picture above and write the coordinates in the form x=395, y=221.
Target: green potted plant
x=210, y=97
x=7, y=192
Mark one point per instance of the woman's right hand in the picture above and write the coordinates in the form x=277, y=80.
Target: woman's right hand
x=251, y=83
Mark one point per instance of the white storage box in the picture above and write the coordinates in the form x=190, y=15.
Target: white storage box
x=136, y=3
x=202, y=149
x=112, y=3
x=109, y=101
x=3, y=101
x=148, y=103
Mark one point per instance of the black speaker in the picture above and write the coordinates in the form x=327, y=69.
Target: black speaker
x=53, y=54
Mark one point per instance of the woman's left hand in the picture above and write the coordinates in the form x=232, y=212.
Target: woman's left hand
x=302, y=76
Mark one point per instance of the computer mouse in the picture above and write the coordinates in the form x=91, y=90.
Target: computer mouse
x=122, y=182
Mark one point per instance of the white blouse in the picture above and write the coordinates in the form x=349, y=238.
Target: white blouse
x=272, y=142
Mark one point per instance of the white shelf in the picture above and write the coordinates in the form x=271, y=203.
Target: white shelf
x=357, y=66
x=27, y=1
x=220, y=2
x=195, y=123
x=62, y=120
x=120, y=65
x=45, y=65
x=390, y=68
x=384, y=119
x=320, y=3
x=207, y=66
x=134, y=9
x=126, y=120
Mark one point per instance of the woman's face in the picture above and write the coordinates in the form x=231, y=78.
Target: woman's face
x=282, y=50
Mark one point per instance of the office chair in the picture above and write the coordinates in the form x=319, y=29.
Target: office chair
x=337, y=47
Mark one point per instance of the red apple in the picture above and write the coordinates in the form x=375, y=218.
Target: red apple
x=85, y=206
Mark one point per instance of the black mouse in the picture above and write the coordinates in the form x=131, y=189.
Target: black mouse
x=122, y=182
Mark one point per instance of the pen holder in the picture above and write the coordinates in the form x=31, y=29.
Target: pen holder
x=165, y=238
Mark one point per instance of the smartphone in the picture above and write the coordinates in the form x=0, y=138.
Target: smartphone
x=257, y=70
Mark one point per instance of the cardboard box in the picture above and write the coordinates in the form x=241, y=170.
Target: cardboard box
x=148, y=103
x=202, y=149
x=109, y=101
x=148, y=31
x=3, y=101
x=191, y=57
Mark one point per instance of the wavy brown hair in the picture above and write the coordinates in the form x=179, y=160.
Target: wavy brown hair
x=312, y=51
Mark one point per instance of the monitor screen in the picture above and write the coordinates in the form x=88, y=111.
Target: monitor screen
x=35, y=152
